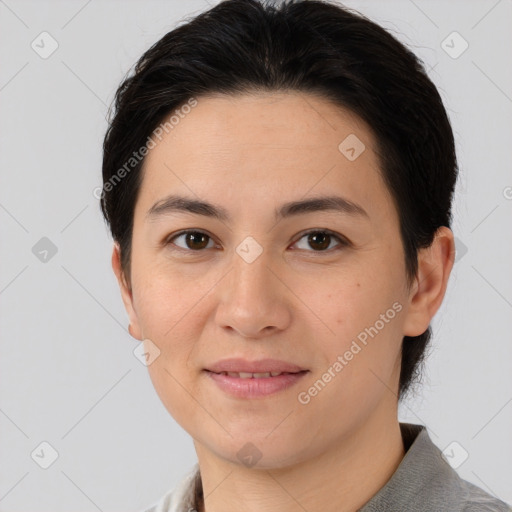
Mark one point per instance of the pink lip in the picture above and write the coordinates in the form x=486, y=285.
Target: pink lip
x=253, y=387
x=262, y=366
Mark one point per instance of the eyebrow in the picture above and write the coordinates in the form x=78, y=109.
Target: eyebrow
x=175, y=203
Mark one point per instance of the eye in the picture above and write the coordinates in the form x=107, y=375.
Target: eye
x=196, y=241
x=321, y=239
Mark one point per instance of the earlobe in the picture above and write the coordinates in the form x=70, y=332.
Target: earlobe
x=126, y=293
x=434, y=267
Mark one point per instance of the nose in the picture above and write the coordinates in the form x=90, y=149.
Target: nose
x=254, y=299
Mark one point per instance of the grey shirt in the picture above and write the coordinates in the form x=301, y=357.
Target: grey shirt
x=423, y=482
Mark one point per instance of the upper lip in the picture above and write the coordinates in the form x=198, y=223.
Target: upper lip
x=237, y=365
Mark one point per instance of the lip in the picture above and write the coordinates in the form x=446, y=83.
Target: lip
x=255, y=387
x=262, y=366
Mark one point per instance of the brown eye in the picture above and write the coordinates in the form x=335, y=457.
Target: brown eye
x=320, y=240
x=194, y=240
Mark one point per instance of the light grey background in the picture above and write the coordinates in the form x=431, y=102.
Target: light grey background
x=68, y=375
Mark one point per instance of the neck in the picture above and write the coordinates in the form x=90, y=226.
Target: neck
x=341, y=479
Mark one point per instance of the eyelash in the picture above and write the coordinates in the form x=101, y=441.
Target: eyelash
x=343, y=242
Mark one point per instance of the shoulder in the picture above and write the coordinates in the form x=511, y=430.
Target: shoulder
x=426, y=480
x=181, y=497
x=477, y=500
x=164, y=504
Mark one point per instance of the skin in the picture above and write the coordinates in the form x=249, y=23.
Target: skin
x=250, y=154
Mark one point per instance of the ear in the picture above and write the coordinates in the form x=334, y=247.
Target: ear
x=434, y=266
x=126, y=293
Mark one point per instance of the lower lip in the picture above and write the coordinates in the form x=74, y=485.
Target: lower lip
x=255, y=388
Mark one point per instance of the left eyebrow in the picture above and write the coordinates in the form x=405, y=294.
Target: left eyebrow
x=175, y=203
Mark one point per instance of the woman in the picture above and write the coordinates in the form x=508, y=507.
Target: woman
x=278, y=182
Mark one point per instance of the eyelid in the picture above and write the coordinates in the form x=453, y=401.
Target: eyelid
x=343, y=241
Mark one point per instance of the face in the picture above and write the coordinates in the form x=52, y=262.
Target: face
x=323, y=289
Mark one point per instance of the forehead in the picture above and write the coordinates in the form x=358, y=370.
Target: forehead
x=278, y=120
x=262, y=146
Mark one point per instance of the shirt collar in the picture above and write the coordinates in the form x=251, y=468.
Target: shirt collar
x=422, y=471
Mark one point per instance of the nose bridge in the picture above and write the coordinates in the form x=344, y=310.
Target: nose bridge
x=251, y=299
x=252, y=278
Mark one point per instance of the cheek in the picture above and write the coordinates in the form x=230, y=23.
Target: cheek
x=169, y=319
x=366, y=317
x=163, y=300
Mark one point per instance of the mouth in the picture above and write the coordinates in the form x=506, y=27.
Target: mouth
x=258, y=375
x=247, y=369
x=258, y=385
